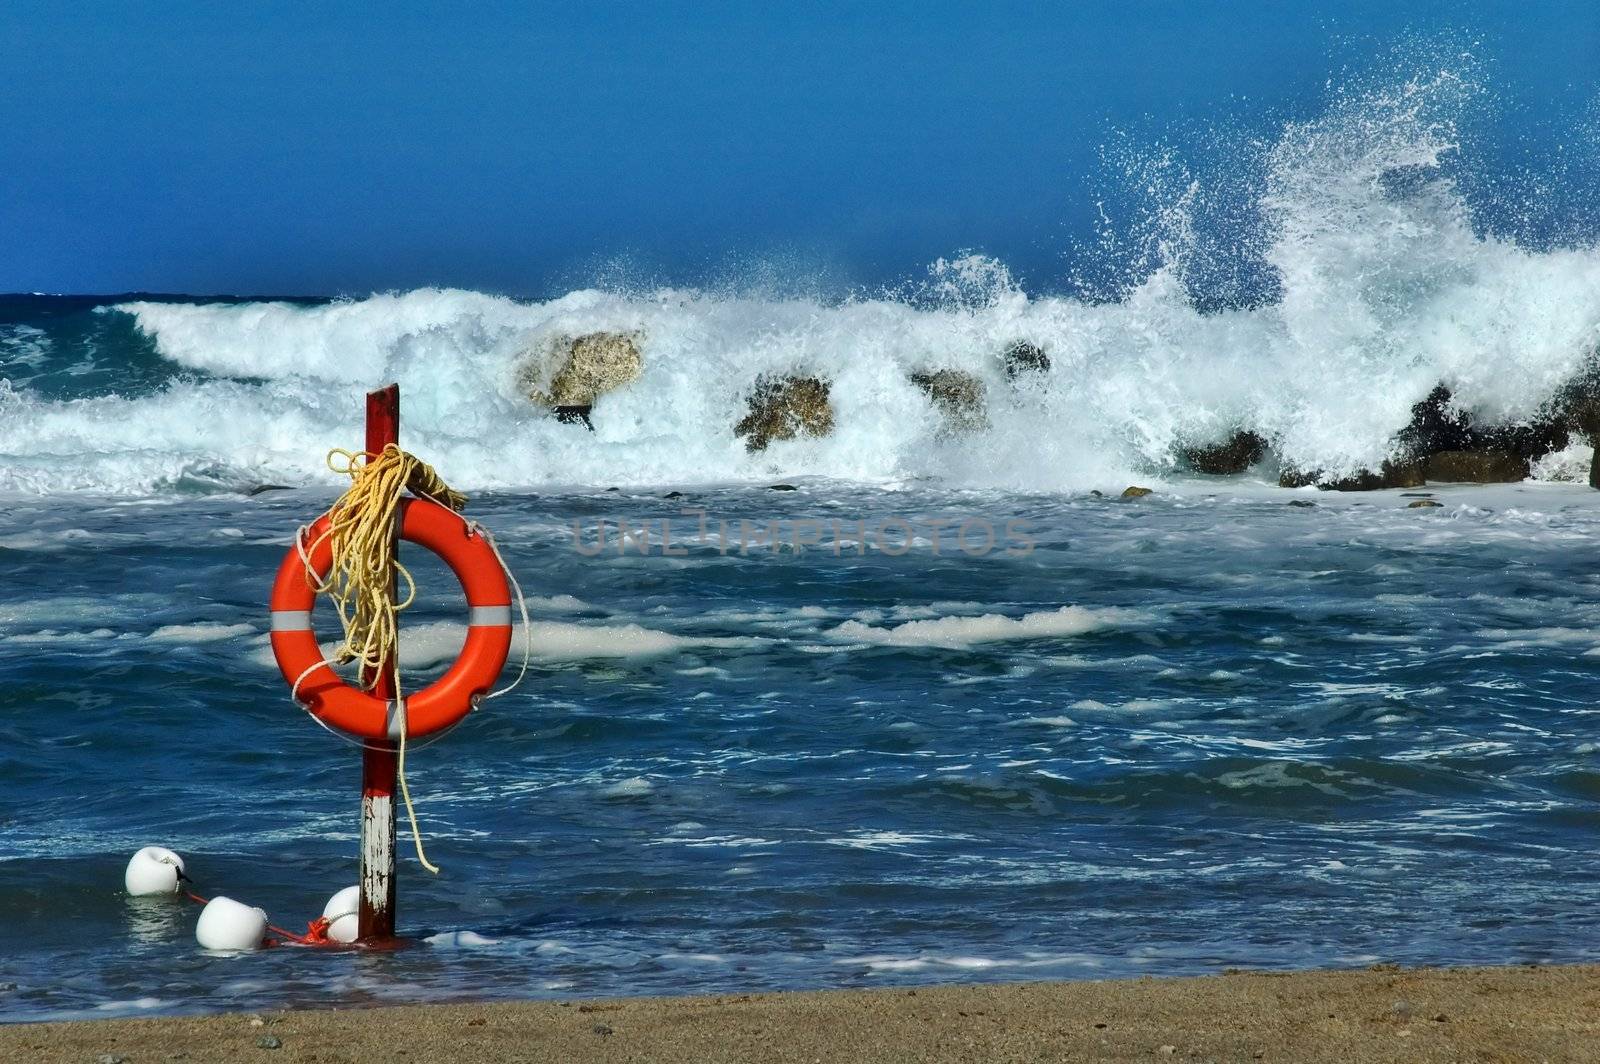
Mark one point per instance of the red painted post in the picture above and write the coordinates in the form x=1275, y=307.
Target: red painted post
x=379, y=757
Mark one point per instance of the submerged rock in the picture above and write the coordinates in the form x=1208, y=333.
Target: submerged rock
x=786, y=407
x=1477, y=466
x=581, y=369
x=1024, y=357
x=1241, y=451
x=1423, y=504
x=957, y=395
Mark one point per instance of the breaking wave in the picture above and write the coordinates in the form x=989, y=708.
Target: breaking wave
x=1383, y=285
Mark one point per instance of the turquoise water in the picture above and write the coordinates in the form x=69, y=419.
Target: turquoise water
x=1257, y=735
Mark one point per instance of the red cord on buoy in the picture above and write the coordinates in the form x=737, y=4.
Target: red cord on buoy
x=317, y=933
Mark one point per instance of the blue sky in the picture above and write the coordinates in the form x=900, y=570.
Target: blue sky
x=524, y=148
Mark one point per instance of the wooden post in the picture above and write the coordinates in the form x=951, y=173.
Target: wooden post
x=379, y=757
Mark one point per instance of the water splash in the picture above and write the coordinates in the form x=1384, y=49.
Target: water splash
x=1380, y=282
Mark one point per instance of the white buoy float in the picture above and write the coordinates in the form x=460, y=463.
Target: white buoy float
x=226, y=924
x=340, y=912
x=153, y=871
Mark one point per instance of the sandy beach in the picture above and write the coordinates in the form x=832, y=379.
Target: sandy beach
x=1379, y=1014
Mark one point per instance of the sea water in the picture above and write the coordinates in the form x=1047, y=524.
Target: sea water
x=947, y=709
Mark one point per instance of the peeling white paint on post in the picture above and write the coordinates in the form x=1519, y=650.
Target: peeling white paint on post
x=377, y=864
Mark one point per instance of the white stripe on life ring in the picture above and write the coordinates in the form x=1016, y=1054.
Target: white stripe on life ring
x=478, y=617
x=294, y=620
x=395, y=717
x=490, y=616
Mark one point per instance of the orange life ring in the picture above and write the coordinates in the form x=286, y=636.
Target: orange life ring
x=443, y=702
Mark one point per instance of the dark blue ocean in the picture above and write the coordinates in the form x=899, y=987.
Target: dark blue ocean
x=1257, y=735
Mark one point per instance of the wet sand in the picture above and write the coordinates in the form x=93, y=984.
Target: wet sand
x=1381, y=1014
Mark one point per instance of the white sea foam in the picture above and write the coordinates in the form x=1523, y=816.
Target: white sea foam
x=553, y=640
x=199, y=633
x=434, y=643
x=956, y=632
x=143, y=1004
x=891, y=840
x=1566, y=466
x=557, y=603
x=1386, y=289
x=85, y=608
x=632, y=787
x=1133, y=705
x=960, y=962
x=460, y=940
x=51, y=635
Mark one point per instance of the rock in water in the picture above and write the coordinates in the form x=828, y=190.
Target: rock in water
x=1583, y=415
x=575, y=415
x=786, y=407
x=1477, y=466
x=1023, y=357
x=1436, y=425
x=1392, y=474
x=1243, y=450
x=1133, y=491
x=957, y=395
x=581, y=369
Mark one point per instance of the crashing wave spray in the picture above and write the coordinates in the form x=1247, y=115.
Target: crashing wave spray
x=1384, y=290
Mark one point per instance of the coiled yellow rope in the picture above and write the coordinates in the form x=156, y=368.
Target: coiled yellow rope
x=362, y=528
